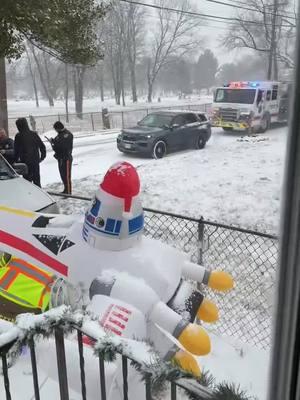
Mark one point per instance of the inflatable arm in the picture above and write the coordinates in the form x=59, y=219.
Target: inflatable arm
x=220, y=281
x=135, y=291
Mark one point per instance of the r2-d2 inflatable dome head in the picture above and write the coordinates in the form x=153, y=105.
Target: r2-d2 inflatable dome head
x=115, y=219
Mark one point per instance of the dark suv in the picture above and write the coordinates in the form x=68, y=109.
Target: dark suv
x=162, y=132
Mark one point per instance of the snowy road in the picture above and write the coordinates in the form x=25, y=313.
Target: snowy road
x=234, y=180
x=92, y=154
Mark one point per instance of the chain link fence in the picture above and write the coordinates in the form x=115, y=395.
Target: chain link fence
x=94, y=120
x=250, y=256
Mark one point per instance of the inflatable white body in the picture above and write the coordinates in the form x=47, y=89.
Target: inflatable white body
x=133, y=324
x=106, y=256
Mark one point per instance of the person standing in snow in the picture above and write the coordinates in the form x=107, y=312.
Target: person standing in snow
x=6, y=146
x=30, y=150
x=62, y=146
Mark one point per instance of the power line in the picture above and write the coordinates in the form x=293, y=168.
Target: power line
x=266, y=5
x=210, y=26
x=207, y=26
x=248, y=8
x=196, y=14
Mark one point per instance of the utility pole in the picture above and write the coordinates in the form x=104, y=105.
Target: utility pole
x=272, y=52
x=3, y=96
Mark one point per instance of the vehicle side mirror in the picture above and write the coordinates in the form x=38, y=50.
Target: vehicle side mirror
x=139, y=123
x=175, y=126
x=20, y=168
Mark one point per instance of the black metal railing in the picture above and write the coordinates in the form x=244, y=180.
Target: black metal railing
x=250, y=256
x=188, y=384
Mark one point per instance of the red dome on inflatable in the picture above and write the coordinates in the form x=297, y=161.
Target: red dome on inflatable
x=122, y=181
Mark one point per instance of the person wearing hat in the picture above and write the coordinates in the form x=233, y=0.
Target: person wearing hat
x=62, y=146
x=6, y=146
x=29, y=149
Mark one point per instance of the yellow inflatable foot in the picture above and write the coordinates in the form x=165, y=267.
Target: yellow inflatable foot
x=221, y=281
x=195, y=340
x=187, y=362
x=208, y=311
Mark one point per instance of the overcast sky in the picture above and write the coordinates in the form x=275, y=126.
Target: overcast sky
x=212, y=31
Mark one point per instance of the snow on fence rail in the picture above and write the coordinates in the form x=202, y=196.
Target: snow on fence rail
x=30, y=330
x=250, y=256
x=94, y=120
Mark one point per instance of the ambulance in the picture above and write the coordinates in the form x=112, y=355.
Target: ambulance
x=250, y=106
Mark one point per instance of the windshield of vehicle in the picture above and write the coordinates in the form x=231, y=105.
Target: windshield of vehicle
x=243, y=96
x=5, y=171
x=156, y=120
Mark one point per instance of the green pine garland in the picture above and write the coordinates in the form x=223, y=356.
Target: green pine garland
x=108, y=347
x=220, y=391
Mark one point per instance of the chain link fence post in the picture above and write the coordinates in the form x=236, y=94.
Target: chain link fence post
x=122, y=115
x=200, y=240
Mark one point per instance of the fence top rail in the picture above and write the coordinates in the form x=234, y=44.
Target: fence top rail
x=200, y=220
x=239, y=229
x=62, y=114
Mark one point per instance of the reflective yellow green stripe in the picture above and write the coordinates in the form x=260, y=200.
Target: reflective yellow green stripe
x=33, y=272
x=7, y=278
x=15, y=299
x=236, y=125
x=25, y=285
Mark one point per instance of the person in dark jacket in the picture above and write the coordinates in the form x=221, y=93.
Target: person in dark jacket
x=30, y=150
x=62, y=146
x=7, y=147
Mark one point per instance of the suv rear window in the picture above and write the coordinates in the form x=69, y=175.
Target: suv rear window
x=202, y=117
x=190, y=118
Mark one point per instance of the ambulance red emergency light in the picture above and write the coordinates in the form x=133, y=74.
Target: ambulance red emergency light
x=250, y=105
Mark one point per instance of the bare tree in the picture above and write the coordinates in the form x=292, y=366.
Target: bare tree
x=32, y=74
x=101, y=79
x=67, y=92
x=134, y=41
x=78, y=76
x=267, y=30
x=172, y=37
x=3, y=96
x=114, y=34
x=43, y=81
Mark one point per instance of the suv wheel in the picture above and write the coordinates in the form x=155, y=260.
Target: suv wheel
x=159, y=149
x=200, y=142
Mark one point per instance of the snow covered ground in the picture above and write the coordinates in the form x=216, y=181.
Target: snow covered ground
x=21, y=108
x=235, y=179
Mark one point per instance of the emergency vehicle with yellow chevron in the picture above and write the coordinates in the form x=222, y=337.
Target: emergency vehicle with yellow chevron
x=250, y=106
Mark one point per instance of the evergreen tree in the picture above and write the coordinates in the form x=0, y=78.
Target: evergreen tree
x=205, y=70
x=64, y=28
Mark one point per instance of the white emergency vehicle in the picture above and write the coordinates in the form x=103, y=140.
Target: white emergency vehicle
x=250, y=106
